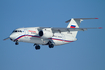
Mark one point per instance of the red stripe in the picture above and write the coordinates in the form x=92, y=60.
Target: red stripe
x=72, y=27
x=26, y=35
x=40, y=37
x=60, y=40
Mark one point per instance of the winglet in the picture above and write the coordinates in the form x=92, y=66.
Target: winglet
x=96, y=18
x=100, y=28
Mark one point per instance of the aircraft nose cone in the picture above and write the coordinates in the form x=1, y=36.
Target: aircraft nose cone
x=12, y=36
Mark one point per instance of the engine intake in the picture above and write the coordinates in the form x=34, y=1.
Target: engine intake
x=46, y=33
x=40, y=33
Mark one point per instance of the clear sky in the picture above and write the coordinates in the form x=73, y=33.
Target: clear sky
x=87, y=53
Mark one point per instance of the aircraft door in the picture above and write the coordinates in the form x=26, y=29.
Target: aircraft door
x=63, y=38
x=26, y=33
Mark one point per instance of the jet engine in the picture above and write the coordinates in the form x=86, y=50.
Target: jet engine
x=46, y=33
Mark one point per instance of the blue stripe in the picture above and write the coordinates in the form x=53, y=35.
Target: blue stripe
x=73, y=25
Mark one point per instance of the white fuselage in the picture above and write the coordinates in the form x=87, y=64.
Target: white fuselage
x=49, y=35
x=31, y=35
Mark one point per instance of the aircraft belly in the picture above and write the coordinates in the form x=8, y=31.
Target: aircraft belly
x=39, y=40
x=57, y=42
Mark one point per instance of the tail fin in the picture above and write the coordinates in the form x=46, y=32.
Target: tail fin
x=75, y=23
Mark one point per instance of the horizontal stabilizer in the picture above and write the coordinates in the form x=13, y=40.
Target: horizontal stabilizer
x=79, y=19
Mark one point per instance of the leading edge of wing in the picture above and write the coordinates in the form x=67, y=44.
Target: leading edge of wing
x=74, y=29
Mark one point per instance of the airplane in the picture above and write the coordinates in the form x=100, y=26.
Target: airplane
x=49, y=35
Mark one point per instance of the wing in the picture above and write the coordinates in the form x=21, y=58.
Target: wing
x=73, y=29
x=68, y=29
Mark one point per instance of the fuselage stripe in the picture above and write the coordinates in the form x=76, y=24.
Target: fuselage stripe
x=40, y=37
x=61, y=40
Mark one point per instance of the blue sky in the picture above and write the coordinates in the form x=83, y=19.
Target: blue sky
x=87, y=53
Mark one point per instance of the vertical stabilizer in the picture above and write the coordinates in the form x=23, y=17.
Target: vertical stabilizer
x=75, y=23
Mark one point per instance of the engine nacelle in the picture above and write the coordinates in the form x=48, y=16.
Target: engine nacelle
x=46, y=33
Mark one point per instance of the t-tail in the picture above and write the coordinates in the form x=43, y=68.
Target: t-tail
x=75, y=23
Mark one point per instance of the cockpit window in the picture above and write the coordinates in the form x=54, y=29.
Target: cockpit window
x=16, y=31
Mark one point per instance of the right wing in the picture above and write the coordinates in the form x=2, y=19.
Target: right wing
x=73, y=29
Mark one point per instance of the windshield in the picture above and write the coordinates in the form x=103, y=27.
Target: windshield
x=16, y=31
